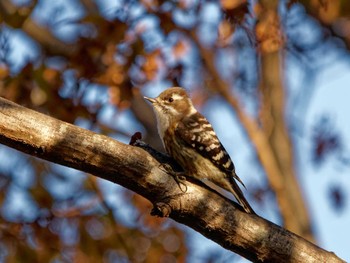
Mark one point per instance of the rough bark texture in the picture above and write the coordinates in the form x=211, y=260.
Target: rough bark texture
x=205, y=211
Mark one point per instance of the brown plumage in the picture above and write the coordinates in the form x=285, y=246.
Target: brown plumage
x=190, y=139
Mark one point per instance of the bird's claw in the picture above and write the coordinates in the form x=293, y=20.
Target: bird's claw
x=179, y=177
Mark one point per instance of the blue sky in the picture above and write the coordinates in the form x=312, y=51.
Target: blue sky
x=332, y=96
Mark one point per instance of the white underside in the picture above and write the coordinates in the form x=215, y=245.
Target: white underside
x=163, y=120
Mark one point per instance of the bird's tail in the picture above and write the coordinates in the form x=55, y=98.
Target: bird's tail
x=237, y=192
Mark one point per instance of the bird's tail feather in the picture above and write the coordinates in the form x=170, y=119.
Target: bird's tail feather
x=237, y=192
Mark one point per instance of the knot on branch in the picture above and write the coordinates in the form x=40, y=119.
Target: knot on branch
x=161, y=210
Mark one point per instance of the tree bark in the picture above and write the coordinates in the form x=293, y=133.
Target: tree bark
x=198, y=207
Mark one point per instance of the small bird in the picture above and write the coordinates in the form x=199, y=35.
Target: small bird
x=190, y=139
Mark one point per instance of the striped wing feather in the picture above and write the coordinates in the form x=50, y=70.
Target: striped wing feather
x=198, y=133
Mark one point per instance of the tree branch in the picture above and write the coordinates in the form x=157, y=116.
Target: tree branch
x=205, y=211
x=11, y=16
x=274, y=121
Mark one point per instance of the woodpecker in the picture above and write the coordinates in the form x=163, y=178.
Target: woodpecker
x=190, y=139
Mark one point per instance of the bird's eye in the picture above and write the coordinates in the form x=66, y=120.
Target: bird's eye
x=170, y=99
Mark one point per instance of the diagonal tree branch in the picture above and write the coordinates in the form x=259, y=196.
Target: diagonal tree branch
x=205, y=211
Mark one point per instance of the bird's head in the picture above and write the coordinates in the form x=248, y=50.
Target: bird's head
x=172, y=104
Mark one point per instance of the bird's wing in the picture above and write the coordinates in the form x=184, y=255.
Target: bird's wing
x=198, y=134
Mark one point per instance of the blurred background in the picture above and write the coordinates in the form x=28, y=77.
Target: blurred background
x=272, y=77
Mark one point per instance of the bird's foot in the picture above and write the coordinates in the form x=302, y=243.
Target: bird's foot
x=179, y=177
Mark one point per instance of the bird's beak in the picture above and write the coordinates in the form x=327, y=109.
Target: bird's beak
x=150, y=99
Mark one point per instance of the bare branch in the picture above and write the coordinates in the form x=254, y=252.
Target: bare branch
x=205, y=211
x=91, y=7
x=41, y=34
